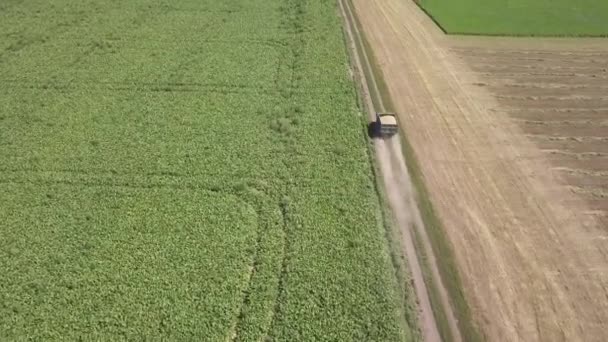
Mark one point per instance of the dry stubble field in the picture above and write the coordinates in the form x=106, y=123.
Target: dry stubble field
x=554, y=92
x=557, y=92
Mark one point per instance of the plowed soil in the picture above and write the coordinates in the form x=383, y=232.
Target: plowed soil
x=511, y=140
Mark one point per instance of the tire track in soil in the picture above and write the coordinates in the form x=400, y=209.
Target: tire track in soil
x=283, y=205
x=236, y=331
x=236, y=328
x=292, y=53
x=294, y=47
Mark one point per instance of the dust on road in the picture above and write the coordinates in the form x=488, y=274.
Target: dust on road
x=400, y=195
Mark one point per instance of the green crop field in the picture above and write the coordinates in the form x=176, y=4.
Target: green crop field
x=521, y=17
x=186, y=170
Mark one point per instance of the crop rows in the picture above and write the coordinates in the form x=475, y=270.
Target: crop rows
x=558, y=98
x=186, y=170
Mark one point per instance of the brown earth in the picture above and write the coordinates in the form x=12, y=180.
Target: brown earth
x=565, y=112
x=510, y=136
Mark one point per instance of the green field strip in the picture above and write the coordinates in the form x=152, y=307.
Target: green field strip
x=584, y=18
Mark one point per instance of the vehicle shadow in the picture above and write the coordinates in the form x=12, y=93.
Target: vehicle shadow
x=372, y=130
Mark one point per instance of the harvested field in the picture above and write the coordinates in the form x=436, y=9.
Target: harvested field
x=519, y=193
x=556, y=91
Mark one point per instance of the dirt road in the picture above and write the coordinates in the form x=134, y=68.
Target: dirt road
x=398, y=187
x=398, y=202
x=533, y=268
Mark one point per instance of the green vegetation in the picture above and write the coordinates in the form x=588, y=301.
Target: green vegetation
x=186, y=170
x=520, y=17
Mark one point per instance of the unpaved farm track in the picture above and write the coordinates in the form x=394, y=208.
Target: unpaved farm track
x=397, y=183
x=534, y=264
